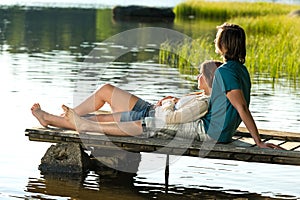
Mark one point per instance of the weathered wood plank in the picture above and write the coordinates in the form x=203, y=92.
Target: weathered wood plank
x=286, y=160
x=277, y=142
x=280, y=135
x=242, y=148
x=290, y=145
x=244, y=142
x=296, y=149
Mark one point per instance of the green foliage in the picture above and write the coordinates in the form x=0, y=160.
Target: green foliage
x=273, y=41
x=226, y=10
x=273, y=45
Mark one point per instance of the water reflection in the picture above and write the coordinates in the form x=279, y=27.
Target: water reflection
x=26, y=30
x=43, y=30
x=90, y=186
x=126, y=186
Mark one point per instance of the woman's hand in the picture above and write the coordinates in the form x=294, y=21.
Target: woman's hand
x=159, y=103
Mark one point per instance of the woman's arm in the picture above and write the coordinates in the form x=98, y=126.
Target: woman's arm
x=193, y=109
x=238, y=101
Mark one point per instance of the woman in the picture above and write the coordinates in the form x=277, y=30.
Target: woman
x=128, y=110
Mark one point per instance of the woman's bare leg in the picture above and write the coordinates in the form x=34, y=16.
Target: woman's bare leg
x=46, y=119
x=109, y=128
x=118, y=99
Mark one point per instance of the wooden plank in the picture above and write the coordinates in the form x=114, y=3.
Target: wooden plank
x=297, y=149
x=135, y=140
x=244, y=142
x=234, y=138
x=233, y=151
x=277, y=142
x=286, y=160
x=265, y=134
x=290, y=145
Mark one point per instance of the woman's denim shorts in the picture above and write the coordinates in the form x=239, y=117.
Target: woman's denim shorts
x=140, y=111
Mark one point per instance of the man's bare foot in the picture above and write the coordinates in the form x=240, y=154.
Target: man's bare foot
x=40, y=114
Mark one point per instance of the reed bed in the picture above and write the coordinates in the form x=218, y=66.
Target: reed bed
x=273, y=45
x=273, y=42
x=222, y=10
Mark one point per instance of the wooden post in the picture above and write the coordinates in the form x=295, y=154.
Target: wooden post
x=167, y=174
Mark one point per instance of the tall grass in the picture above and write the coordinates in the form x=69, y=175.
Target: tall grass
x=188, y=55
x=273, y=38
x=222, y=10
x=273, y=45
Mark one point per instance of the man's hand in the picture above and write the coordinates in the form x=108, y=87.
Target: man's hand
x=269, y=145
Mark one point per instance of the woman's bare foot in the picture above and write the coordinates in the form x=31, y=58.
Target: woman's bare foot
x=40, y=114
x=75, y=120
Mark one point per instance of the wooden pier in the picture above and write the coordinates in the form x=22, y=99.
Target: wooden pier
x=242, y=148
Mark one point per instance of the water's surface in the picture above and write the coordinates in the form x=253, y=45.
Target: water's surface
x=89, y=3
x=41, y=61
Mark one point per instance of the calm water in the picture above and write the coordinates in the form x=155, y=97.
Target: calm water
x=41, y=60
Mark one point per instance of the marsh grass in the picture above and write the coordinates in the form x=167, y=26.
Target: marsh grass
x=273, y=45
x=225, y=10
x=273, y=38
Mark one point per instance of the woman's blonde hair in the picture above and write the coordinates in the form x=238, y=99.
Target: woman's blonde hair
x=208, y=69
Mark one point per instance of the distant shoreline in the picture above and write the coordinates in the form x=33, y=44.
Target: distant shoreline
x=102, y=4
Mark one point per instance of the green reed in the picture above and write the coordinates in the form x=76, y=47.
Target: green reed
x=188, y=55
x=222, y=10
x=273, y=42
x=273, y=45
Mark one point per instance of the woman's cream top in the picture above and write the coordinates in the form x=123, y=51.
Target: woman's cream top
x=188, y=108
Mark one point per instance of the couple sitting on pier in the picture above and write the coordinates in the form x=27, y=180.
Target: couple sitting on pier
x=212, y=115
x=129, y=111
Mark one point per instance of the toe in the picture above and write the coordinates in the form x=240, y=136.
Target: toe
x=35, y=106
x=65, y=108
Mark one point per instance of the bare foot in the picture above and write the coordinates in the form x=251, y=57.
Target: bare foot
x=71, y=116
x=40, y=114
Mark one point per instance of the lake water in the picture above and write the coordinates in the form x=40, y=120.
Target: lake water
x=41, y=57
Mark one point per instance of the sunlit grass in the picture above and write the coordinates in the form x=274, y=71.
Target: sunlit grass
x=273, y=42
x=221, y=10
x=273, y=45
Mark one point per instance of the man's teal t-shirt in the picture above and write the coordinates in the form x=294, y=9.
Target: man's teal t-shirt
x=222, y=118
